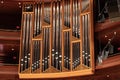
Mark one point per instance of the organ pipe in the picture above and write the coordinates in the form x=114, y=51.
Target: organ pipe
x=55, y=37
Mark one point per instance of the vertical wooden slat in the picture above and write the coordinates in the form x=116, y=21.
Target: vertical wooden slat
x=42, y=4
x=31, y=40
x=80, y=7
x=51, y=29
x=71, y=25
x=41, y=48
x=50, y=55
x=62, y=4
x=31, y=36
x=81, y=33
x=50, y=48
x=92, y=37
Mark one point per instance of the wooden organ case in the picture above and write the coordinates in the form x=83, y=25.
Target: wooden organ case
x=56, y=39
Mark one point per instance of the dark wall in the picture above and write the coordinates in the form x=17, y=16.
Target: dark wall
x=10, y=21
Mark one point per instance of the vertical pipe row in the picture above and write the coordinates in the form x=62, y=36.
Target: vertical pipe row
x=23, y=43
x=76, y=55
x=46, y=49
x=86, y=43
x=66, y=35
x=26, y=40
x=76, y=19
x=76, y=33
x=67, y=13
x=37, y=19
x=67, y=50
x=36, y=55
x=56, y=46
x=54, y=34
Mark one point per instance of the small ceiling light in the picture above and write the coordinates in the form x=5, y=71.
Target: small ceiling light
x=115, y=33
x=19, y=3
x=2, y=1
x=20, y=6
x=105, y=36
x=12, y=49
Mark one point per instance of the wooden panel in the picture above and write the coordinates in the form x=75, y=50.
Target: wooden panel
x=110, y=62
x=107, y=25
x=13, y=35
x=104, y=32
x=101, y=74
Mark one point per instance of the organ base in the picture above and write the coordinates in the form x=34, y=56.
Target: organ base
x=57, y=75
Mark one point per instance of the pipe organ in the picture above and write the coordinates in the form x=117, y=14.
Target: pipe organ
x=56, y=39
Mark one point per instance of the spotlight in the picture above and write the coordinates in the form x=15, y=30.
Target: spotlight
x=20, y=6
x=105, y=36
x=2, y=1
x=19, y=3
x=12, y=49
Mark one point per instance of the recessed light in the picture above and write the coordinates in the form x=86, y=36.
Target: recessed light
x=12, y=49
x=115, y=33
x=20, y=6
x=2, y=1
x=105, y=36
x=19, y=3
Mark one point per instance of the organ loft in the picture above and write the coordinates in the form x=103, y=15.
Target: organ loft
x=56, y=39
